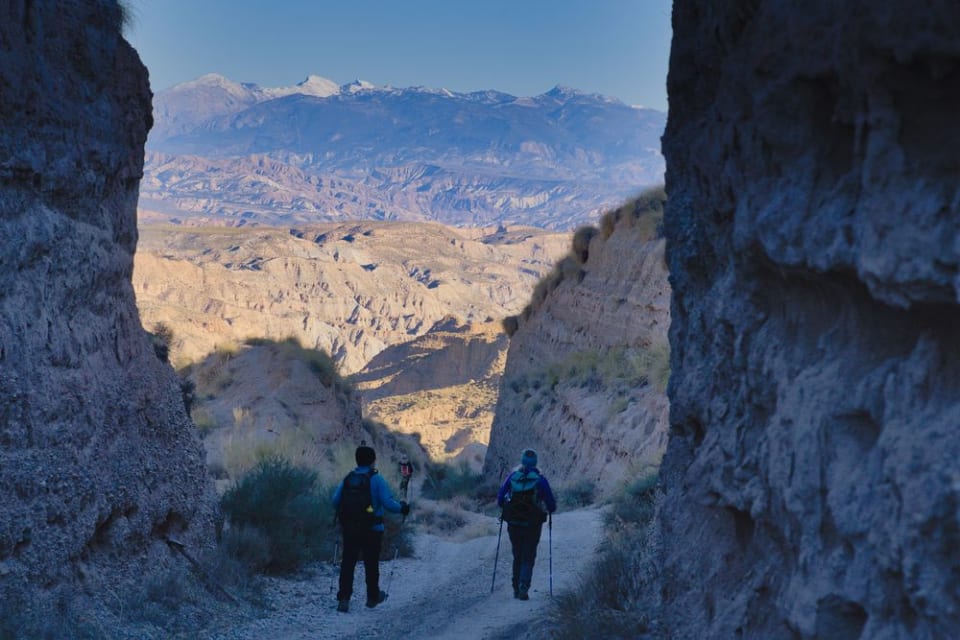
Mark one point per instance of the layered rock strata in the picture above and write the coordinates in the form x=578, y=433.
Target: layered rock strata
x=98, y=459
x=813, y=468
x=585, y=377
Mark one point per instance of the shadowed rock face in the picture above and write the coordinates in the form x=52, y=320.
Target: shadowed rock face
x=98, y=460
x=813, y=469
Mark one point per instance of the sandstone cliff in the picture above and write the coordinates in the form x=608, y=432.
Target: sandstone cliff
x=586, y=369
x=98, y=459
x=351, y=290
x=812, y=471
x=441, y=387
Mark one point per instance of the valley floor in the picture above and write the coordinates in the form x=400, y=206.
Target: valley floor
x=443, y=592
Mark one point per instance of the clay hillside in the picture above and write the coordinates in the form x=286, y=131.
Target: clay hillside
x=586, y=372
x=351, y=290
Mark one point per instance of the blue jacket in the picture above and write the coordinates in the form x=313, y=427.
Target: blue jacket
x=380, y=492
x=544, y=492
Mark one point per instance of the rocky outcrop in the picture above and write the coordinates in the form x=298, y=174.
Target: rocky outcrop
x=587, y=365
x=441, y=387
x=98, y=459
x=351, y=290
x=812, y=471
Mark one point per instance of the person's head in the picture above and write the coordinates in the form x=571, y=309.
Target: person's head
x=528, y=458
x=404, y=459
x=365, y=456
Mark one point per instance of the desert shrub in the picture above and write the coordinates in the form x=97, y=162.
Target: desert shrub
x=204, y=420
x=578, y=494
x=439, y=518
x=618, y=598
x=284, y=503
x=648, y=213
x=161, y=338
x=510, y=325
x=187, y=389
x=444, y=481
x=581, y=243
x=607, y=224
x=570, y=270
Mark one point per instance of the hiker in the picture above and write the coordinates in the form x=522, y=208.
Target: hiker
x=360, y=500
x=406, y=472
x=526, y=499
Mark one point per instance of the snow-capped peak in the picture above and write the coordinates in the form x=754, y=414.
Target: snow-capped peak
x=213, y=80
x=356, y=86
x=314, y=85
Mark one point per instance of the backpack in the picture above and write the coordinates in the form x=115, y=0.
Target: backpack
x=355, y=510
x=523, y=507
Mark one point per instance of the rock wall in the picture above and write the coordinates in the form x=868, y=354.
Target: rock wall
x=440, y=387
x=813, y=471
x=98, y=460
x=587, y=363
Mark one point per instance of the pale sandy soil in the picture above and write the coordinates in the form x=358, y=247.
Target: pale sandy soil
x=443, y=592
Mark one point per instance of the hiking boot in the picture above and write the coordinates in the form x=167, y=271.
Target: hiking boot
x=372, y=603
x=343, y=606
x=516, y=593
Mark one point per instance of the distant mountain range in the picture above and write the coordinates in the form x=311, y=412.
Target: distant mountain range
x=226, y=152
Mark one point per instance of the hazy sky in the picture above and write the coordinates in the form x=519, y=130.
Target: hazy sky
x=524, y=47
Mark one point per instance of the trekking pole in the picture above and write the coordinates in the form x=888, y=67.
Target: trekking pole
x=396, y=554
x=333, y=563
x=550, y=529
x=496, y=558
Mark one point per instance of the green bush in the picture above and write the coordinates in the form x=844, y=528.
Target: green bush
x=579, y=494
x=618, y=597
x=444, y=481
x=285, y=505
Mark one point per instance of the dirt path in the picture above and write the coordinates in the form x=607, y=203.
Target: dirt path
x=444, y=592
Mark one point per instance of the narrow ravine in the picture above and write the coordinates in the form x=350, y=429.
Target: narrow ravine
x=443, y=592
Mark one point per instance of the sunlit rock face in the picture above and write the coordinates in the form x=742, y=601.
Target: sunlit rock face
x=584, y=382
x=813, y=468
x=98, y=460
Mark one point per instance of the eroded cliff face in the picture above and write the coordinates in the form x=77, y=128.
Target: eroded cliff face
x=813, y=468
x=98, y=460
x=585, y=377
x=440, y=387
x=351, y=289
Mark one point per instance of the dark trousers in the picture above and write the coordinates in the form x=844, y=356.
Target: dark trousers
x=365, y=543
x=523, y=541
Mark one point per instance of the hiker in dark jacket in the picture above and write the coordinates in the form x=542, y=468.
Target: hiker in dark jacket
x=526, y=499
x=363, y=530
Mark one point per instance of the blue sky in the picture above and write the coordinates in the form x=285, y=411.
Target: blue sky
x=524, y=47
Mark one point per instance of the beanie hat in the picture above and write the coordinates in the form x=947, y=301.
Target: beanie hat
x=529, y=458
x=365, y=456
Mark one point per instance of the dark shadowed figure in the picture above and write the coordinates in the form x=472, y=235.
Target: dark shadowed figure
x=360, y=500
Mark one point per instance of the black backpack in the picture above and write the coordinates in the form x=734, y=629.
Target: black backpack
x=523, y=507
x=355, y=510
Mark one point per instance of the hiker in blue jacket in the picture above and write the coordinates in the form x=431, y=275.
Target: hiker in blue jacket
x=360, y=500
x=526, y=499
